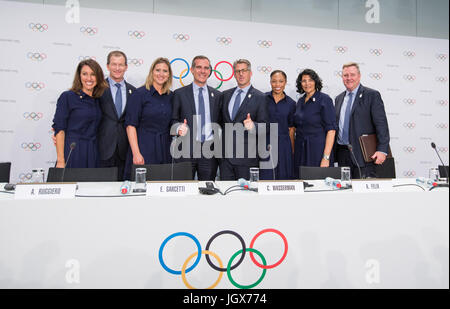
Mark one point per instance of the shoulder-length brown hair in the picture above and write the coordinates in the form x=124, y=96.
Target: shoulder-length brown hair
x=149, y=80
x=77, y=86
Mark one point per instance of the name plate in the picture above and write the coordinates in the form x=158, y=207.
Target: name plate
x=172, y=188
x=280, y=188
x=367, y=186
x=45, y=191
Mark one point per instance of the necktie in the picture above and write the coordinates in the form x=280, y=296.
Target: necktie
x=118, y=101
x=346, y=128
x=201, y=113
x=237, y=104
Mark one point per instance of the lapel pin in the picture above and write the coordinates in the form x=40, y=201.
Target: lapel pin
x=212, y=94
x=129, y=91
x=249, y=96
x=314, y=99
x=81, y=96
x=360, y=96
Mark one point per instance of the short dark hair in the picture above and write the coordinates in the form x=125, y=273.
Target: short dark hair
x=200, y=57
x=314, y=76
x=280, y=72
x=116, y=53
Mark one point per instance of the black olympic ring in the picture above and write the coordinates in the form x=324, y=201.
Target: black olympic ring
x=409, y=54
x=243, y=250
x=224, y=40
x=341, y=49
x=264, y=43
x=304, y=46
x=36, y=56
x=38, y=27
x=136, y=34
x=88, y=30
x=181, y=37
x=376, y=51
x=409, y=101
x=32, y=116
x=441, y=57
x=35, y=85
x=409, y=125
x=409, y=78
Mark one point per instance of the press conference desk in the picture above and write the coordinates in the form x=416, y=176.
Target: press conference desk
x=335, y=239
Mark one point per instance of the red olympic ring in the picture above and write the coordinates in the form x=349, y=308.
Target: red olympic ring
x=215, y=69
x=285, y=248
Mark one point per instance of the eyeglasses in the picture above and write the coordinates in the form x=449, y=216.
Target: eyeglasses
x=237, y=72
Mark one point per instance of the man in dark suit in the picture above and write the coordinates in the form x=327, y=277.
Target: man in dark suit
x=196, y=111
x=359, y=111
x=242, y=107
x=112, y=137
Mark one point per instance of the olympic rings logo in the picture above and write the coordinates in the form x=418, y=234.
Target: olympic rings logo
x=179, y=37
x=224, y=41
x=409, y=54
x=376, y=76
x=36, y=56
x=31, y=146
x=35, y=86
x=409, y=101
x=230, y=266
x=264, y=69
x=25, y=176
x=304, y=46
x=38, y=27
x=264, y=44
x=409, y=125
x=136, y=62
x=33, y=116
x=442, y=102
x=338, y=73
x=441, y=57
x=340, y=49
x=376, y=51
x=442, y=125
x=81, y=58
x=409, y=149
x=409, y=78
x=443, y=149
x=184, y=73
x=88, y=30
x=441, y=79
x=136, y=34
x=409, y=173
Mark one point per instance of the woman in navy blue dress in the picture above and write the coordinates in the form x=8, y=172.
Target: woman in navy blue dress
x=148, y=118
x=315, y=124
x=78, y=116
x=281, y=110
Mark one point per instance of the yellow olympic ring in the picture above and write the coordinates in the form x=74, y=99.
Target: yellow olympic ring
x=183, y=269
x=181, y=76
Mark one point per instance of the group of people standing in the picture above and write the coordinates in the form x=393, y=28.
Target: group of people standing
x=113, y=124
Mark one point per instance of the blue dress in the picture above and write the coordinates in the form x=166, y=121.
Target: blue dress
x=78, y=115
x=151, y=114
x=281, y=113
x=312, y=122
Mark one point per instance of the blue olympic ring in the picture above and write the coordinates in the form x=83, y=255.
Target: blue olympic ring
x=199, y=255
x=187, y=73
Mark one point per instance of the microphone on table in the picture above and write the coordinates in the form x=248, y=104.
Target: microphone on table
x=243, y=183
x=433, y=145
x=125, y=188
x=72, y=147
x=334, y=183
x=426, y=181
x=350, y=148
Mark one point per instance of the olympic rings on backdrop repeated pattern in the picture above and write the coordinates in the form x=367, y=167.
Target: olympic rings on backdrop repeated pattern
x=136, y=34
x=38, y=27
x=88, y=30
x=32, y=116
x=184, y=73
x=221, y=267
x=31, y=146
x=36, y=56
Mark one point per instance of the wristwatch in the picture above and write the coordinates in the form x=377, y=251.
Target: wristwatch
x=326, y=157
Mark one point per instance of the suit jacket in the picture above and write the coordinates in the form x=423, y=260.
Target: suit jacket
x=255, y=104
x=367, y=117
x=111, y=133
x=183, y=107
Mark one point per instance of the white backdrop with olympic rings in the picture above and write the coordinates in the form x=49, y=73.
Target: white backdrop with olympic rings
x=40, y=51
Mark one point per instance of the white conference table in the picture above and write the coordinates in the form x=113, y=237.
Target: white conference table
x=338, y=239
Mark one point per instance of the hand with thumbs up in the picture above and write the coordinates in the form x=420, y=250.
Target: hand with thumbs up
x=182, y=130
x=248, y=123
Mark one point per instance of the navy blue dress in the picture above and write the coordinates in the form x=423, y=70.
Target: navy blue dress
x=78, y=115
x=283, y=114
x=151, y=114
x=312, y=122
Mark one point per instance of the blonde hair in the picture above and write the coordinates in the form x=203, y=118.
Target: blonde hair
x=149, y=81
x=351, y=64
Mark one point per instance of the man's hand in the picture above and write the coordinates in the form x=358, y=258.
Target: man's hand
x=379, y=157
x=183, y=129
x=248, y=123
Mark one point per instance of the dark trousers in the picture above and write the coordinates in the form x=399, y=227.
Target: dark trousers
x=344, y=158
x=230, y=171
x=115, y=161
x=206, y=169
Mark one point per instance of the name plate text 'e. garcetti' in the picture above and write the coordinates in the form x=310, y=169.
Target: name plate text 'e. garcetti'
x=280, y=187
x=172, y=188
x=45, y=191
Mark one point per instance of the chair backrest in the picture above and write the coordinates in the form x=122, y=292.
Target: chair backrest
x=5, y=170
x=83, y=174
x=385, y=170
x=312, y=173
x=443, y=171
x=155, y=172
